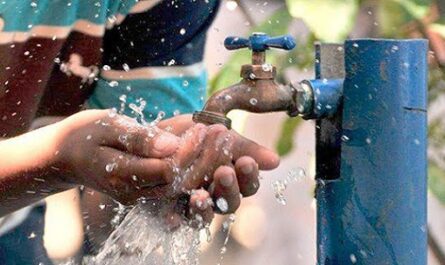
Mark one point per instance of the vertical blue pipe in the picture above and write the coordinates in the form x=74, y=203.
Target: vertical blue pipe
x=375, y=211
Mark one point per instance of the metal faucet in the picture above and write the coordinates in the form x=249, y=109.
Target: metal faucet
x=258, y=91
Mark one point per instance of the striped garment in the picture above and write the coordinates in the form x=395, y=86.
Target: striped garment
x=57, y=55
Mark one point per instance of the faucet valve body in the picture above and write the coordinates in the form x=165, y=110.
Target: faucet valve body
x=257, y=92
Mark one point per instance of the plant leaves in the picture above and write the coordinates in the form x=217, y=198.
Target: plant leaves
x=417, y=9
x=393, y=15
x=285, y=143
x=329, y=20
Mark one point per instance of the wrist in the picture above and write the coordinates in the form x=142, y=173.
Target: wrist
x=59, y=168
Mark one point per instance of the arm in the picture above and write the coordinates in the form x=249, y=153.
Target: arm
x=29, y=170
x=76, y=151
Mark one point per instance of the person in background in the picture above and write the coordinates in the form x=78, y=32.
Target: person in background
x=143, y=58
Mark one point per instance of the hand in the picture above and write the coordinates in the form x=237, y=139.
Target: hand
x=114, y=154
x=228, y=165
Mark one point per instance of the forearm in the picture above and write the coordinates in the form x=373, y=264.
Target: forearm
x=28, y=169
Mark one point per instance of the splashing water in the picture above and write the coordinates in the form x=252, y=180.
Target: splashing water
x=142, y=238
x=227, y=227
x=123, y=100
x=280, y=186
x=139, y=110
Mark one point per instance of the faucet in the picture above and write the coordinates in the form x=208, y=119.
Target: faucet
x=258, y=91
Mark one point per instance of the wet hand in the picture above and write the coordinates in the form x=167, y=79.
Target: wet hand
x=114, y=154
x=225, y=164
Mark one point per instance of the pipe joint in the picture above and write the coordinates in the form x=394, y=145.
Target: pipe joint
x=317, y=99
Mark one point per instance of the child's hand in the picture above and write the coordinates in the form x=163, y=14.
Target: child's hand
x=114, y=154
x=227, y=165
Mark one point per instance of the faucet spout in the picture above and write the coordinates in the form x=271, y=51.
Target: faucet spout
x=253, y=95
x=257, y=96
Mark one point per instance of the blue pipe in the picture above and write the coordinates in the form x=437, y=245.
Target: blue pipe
x=374, y=210
x=326, y=96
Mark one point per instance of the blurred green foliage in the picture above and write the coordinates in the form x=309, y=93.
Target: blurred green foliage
x=394, y=15
x=329, y=20
x=436, y=181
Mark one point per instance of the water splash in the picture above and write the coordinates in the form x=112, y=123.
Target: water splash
x=142, y=238
x=139, y=110
x=227, y=227
x=280, y=186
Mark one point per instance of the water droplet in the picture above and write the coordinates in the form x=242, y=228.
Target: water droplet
x=226, y=151
x=185, y=83
x=101, y=206
x=182, y=31
x=110, y=167
x=353, y=258
x=253, y=101
x=33, y=4
x=267, y=67
x=32, y=235
x=89, y=137
x=106, y=67
x=171, y=62
x=126, y=67
x=123, y=138
x=355, y=44
x=227, y=97
x=232, y=218
x=368, y=140
x=345, y=138
x=222, y=204
x=113, y=83
x=279, y=187
x=112, y=112
x=296, y=174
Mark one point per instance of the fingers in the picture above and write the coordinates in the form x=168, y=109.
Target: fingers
x=126, y=177
x=200, y=208
x=265, y=158
x=211, y=157
x=127, y=135
x=247, y=173
x=177, y=125
x=190, y=146
x=226, y=192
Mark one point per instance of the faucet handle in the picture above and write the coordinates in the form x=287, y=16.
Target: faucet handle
x=260, y=42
